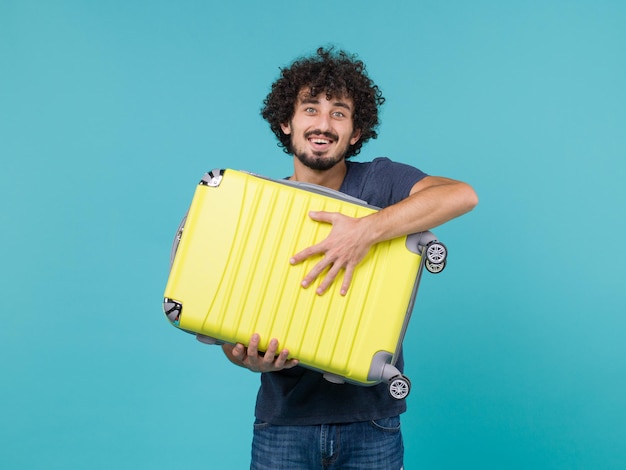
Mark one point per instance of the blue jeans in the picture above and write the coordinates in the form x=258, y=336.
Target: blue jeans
x=369, y=445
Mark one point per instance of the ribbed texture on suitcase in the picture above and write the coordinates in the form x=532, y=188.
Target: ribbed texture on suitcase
x=232, y=275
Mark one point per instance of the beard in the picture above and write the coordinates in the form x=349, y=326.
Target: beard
x=319, y=161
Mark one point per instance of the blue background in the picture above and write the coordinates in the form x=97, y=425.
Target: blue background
x=110, y=112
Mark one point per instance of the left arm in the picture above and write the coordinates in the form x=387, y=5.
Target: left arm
x=432, y=201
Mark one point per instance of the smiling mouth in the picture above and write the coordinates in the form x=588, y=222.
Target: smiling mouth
x=321, y=138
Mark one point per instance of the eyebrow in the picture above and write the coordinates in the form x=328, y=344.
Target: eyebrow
x=315, y=100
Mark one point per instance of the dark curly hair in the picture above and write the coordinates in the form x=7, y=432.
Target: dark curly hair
x=334, y=73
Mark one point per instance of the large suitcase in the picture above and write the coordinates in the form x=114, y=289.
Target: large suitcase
x=230, y=277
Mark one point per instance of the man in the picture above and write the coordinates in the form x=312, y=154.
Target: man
x=323, y=108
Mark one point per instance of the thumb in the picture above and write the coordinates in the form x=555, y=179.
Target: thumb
x=321, y=216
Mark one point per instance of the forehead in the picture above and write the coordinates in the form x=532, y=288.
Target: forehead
x=306, y=96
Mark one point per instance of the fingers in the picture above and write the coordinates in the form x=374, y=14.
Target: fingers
x=282, y=362
x=347, y=280
x=330, y=278
x=269, y=361
x=325, y=263
x=317, y=270
x=306, y=253
x=334, y=268
x=342, y=250
x=332, y=273
x=318, y=216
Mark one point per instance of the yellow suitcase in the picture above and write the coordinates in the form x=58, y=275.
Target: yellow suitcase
x=230, y=277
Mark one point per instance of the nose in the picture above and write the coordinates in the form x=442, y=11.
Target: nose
x=323, y=122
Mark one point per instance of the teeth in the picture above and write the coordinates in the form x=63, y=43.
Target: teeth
x=320, y=141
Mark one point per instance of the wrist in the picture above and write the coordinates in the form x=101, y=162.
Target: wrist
x=372, y=231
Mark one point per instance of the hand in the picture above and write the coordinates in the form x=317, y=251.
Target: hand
x=344, y=248
x=251, y=359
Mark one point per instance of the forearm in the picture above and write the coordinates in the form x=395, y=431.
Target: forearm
x=432, y=202
x=423, y=210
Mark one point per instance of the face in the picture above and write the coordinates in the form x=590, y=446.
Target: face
x=321, y=130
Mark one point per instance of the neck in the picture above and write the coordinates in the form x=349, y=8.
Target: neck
x=331, y=178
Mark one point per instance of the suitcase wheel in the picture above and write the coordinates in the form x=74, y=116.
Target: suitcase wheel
x=399, y=387
x=435, y=267
x=436, y=252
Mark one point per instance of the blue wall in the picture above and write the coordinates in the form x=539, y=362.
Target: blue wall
x=111, y=111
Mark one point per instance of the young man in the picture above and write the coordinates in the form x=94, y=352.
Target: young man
x=323, y=108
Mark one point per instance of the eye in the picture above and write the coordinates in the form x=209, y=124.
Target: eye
x=309, y=110
x=338, y=114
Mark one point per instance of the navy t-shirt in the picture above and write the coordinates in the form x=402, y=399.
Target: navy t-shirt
x=300, y=396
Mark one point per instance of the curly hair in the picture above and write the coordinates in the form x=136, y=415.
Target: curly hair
x=337, y=74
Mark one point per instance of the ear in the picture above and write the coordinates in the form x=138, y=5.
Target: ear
x=286, y=128
x=356, y=135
